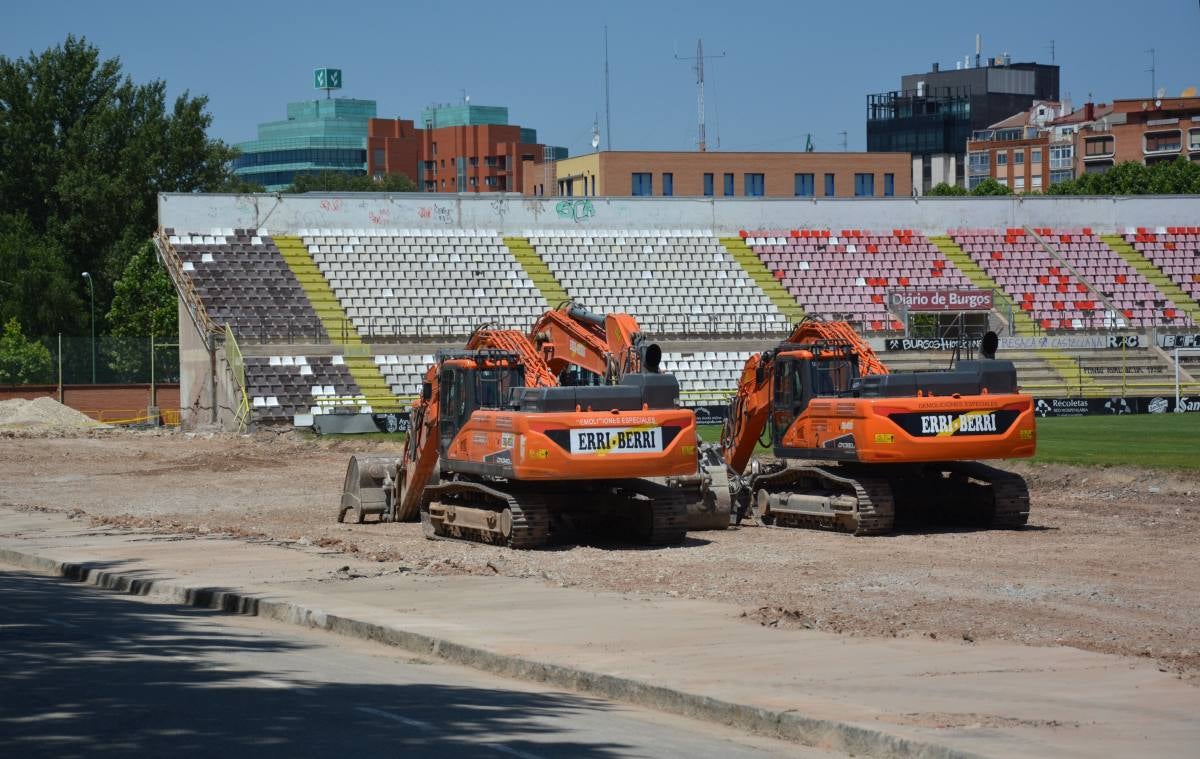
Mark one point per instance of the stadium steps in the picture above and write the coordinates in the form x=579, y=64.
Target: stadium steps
x=357, y=356
x=1022, y=324
x=1154, y=275
x=762, y=276
x=537, y=270
x=1062, y=364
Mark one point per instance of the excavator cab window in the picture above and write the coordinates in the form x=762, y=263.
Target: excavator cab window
x=833, y=377
x=492, y=385
x=456, y=402
x=788, y=392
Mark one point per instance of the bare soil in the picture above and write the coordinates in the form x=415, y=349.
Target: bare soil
x=1108, y=563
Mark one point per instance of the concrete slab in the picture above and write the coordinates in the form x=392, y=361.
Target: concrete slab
x=907, y=696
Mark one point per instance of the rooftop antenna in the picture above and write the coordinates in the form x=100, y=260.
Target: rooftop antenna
x=1052, y=51
x=1153, y=71
x=596, y=132
x=699, y=69
x=978, y=48
x=844, y=143
x=607, y=119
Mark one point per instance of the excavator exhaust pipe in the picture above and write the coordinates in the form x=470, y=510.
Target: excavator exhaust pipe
x=651, y=358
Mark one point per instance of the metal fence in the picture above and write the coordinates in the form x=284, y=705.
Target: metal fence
x=112, y=360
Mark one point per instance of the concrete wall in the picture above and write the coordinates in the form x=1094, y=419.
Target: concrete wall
x=513, y=214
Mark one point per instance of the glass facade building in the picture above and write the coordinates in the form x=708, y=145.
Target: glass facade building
x=317, y=136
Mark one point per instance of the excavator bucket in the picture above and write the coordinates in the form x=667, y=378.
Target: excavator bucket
x=369, y=487
x=708, y=496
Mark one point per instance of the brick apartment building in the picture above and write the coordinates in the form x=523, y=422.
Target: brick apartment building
x=1145, y=130
x=723, y=174
x=465, y=148
x=1044, y=145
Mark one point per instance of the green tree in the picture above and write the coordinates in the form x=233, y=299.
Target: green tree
x=990, y=186
x=332, y=181
x=944, y=189
x=22, y=361
x=1178, y=177
x=144, y=302
x=84, y=152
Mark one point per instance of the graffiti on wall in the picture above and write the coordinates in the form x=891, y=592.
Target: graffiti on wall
x=575, y=210
x=332, y=205
x=500, y=208
x=443, y=214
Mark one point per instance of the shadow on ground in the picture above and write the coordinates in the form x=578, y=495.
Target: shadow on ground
x=84, y=672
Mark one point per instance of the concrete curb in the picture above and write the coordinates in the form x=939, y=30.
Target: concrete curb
x=789, y=725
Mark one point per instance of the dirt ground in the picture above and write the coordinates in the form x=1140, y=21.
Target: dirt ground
x=1108, y=562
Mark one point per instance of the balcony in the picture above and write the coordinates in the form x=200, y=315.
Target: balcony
x=1061, y=163
x=1158, y=143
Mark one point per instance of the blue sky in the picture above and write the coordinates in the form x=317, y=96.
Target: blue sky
x=790, y=68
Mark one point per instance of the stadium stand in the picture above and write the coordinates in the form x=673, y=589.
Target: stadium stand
x=848, y=273
x=404, y=373
x=675, y=282
x=422, y=283
x=281, y=386
x=1174, y=250
x=1069, y=279
x=705, y=377
x=244, y=282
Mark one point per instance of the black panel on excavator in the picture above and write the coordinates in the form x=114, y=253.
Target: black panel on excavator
x=654, y=390
x=966, y=378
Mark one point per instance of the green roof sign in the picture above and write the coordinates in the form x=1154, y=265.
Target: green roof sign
x=327, y=79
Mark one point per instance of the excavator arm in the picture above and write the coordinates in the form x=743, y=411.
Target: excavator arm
x=608, y=345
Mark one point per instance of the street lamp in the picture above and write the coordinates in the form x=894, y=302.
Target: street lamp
x=92, y=292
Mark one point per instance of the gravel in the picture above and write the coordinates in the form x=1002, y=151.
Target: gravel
x=43, y=416
x=1105, y=565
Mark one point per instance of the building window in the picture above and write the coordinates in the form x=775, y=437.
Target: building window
x=975, y=180
x=1035, y=155
x=593, y=185
x=830, y=186
x=708, y=185
x=474, y=161
x=1167, y=141
x=1037, y=181
x=1194, y=139
x=804, y=186
x=889, y=185
x=643, y=183
x=1094, y=147
x=1018, y=183
x=1002, y=180
x=668, y=183
x=752, y=185
x=1001, y=158
x=729, y=185
x=1064, y=175
x=864, y=185
x=472, y=182
x=435, y=148
x=979, y=162
x=1097, y=167
x=378, y=158
x=1019, y=157
x=1061, y=157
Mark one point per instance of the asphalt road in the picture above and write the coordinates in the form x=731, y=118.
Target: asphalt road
x=86, y=672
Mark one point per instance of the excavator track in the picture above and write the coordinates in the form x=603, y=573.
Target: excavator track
x=525, y=517
x=1008, y=505
x=872, y=513
x=668, y=513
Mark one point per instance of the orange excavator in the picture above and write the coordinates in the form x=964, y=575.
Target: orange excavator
x=853, y=442
x=569, y=428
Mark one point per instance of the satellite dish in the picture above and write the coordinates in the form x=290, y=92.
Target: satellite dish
x=595, y=140
x=467, y=98
x=1189, y=92
x=1161, y=91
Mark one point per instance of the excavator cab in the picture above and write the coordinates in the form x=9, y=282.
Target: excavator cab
x=470, y=381
x=804, y=374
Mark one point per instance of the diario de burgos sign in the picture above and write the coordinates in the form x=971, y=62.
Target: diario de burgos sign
x=942, y=300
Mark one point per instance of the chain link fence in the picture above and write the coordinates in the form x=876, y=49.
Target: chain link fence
x=112, y=360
